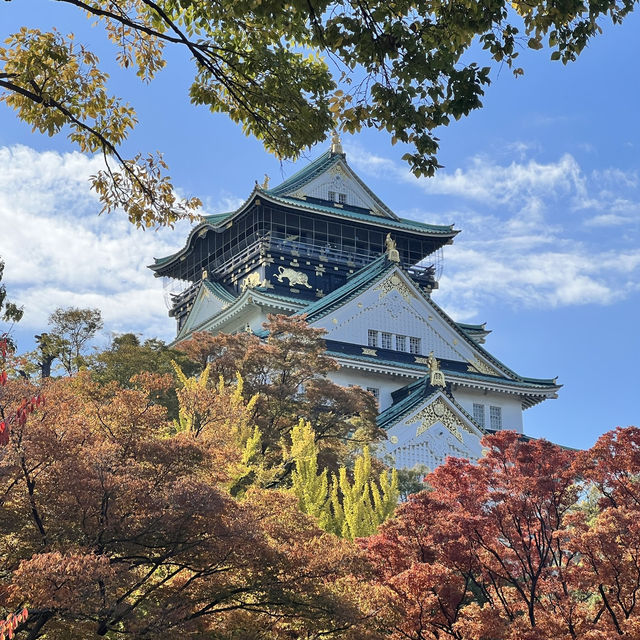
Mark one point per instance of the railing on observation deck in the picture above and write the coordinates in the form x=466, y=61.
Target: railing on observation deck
x=330, y=252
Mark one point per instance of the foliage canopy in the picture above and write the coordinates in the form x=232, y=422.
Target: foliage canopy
x=287, y=70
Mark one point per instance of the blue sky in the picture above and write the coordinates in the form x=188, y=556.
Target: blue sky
x=544, y=183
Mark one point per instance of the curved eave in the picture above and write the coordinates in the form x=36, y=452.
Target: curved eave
x=471, y=380
x=403, y=224
x=248, y=297
x=446, y=232
x=214, y=223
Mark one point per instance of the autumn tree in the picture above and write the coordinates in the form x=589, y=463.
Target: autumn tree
x=9, y=311
x=351, y=505
x=115, y=523
x=287, y=369
x=126, y=357
x=71, y=331
x=533, y=541
x=288, y=72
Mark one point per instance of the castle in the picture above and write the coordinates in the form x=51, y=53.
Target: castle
x=324, y=245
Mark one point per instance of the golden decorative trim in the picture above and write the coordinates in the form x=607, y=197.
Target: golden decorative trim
x=437, y=377
x=320, y=269
x=294, y=277
x=251, y=281
x=392, y=250
x=394, y=283
x=436, y=412
x=477, y=366
x=421, y=360
x=369, y=352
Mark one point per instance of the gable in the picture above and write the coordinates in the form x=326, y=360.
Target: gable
x=430, y=432
x=209, y=302
x=394, y=305
x=340, y=179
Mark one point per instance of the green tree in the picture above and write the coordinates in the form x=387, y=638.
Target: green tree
x=71, y=331
x=349, y=505
x=9, y=311
x=288, y=71
x=128, y=357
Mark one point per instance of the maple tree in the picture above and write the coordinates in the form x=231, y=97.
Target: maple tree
x=114, y=521
x=533, y=541
x=287, y=370
x=287, y=71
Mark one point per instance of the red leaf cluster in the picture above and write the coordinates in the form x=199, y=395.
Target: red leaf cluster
x=530, y=543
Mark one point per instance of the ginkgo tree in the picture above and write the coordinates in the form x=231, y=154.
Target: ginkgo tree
x=288, y=71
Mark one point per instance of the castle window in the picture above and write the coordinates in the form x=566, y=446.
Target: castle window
x=478, y=413
x=414, y=345
x=401, y=343
x=372, y=338
x=374, y=391
x=495, y=416
x=335, y=196
x=386, y=340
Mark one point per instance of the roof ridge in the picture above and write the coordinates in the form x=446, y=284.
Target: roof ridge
x=305, y=174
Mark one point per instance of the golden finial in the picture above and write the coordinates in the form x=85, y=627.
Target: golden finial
x=436, y=377
x=336, y=143
x=392, y=250
x=265, y=184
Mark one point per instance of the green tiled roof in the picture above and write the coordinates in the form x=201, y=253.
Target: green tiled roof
x=306, y=174
x=398, y=223
x=392, y=414
x=217, y=218
x=520, y=382
x=418, y=392
x=354, y=285
x=472, y=328
x=320, y=166
x=219, y=291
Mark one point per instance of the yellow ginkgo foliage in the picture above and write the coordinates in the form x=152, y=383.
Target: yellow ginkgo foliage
x=349, y=507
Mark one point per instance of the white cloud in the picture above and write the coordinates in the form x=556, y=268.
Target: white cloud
x=608, y=220
x=523, y=240
x=59, y=252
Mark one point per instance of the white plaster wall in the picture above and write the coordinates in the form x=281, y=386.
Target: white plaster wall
x=397, y=314
x=386, y=383
x=338, y=180
x=511, y=406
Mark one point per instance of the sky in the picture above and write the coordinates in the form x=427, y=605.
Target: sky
x=543, y=182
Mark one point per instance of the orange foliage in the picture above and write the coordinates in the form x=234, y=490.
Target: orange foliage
x=113, y=523
x=288, y=372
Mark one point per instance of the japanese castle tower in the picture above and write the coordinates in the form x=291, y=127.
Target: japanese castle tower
x=324, y=245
